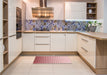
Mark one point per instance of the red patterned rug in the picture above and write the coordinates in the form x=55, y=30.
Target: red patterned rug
x=52, y=60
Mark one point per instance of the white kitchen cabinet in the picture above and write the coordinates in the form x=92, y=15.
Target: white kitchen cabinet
x=58, y=41
x=58, y=7
x=12, y=17
x=71, y=42
x=19, y=45
x=75, y=10
x=1, y=61
x=1, y=16
x=1, y=55
x=87, y=48
x=12, y=48
x=42, y=42
x=92, y=52
x=1, y=29
x=42, y=47
x=28, y=42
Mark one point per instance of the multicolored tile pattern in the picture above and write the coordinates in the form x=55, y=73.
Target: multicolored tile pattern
x=48, y=25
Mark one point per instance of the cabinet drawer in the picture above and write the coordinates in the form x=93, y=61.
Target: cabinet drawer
x=42, y=40
x=58, y=35
x=84, y=40
x=84, y=51
x=87, y=42
x=42, y=34
x=42, y=47
x=87, y=48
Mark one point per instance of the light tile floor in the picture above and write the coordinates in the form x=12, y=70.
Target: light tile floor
x=24, y=66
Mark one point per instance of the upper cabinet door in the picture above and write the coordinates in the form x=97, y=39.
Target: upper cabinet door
x=12, y=17
x=1, y=24
x=58, y=42
x=58, y=7
x=75, y=10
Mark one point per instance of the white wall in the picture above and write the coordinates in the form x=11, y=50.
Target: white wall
x=19, y=3
x=23, y=15
x=100, y=9
x=29, y=5
x=57, y=4
x=100, y=13
x=105, y=16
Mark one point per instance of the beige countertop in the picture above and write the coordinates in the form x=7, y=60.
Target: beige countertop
x=49, y=32
x=96, y=35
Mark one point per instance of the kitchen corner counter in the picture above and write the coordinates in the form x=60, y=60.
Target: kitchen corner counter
x=96, y=35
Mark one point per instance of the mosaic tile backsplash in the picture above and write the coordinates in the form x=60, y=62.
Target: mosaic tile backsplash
x=48, y=25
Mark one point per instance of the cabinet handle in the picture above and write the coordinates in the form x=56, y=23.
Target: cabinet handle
x=12, y=35
x=42, y=36
x=85, y=40
x=84, y=49
x=42, y=44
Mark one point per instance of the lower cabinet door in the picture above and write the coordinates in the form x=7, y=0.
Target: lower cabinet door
x=12, y=49
x=92, y=52
x=1, y=61
x=71, y=42
x=58, y=42
x=87, y=48
x=19, y=45
x=28, y=42
x=1, y=55
x=42, y=47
